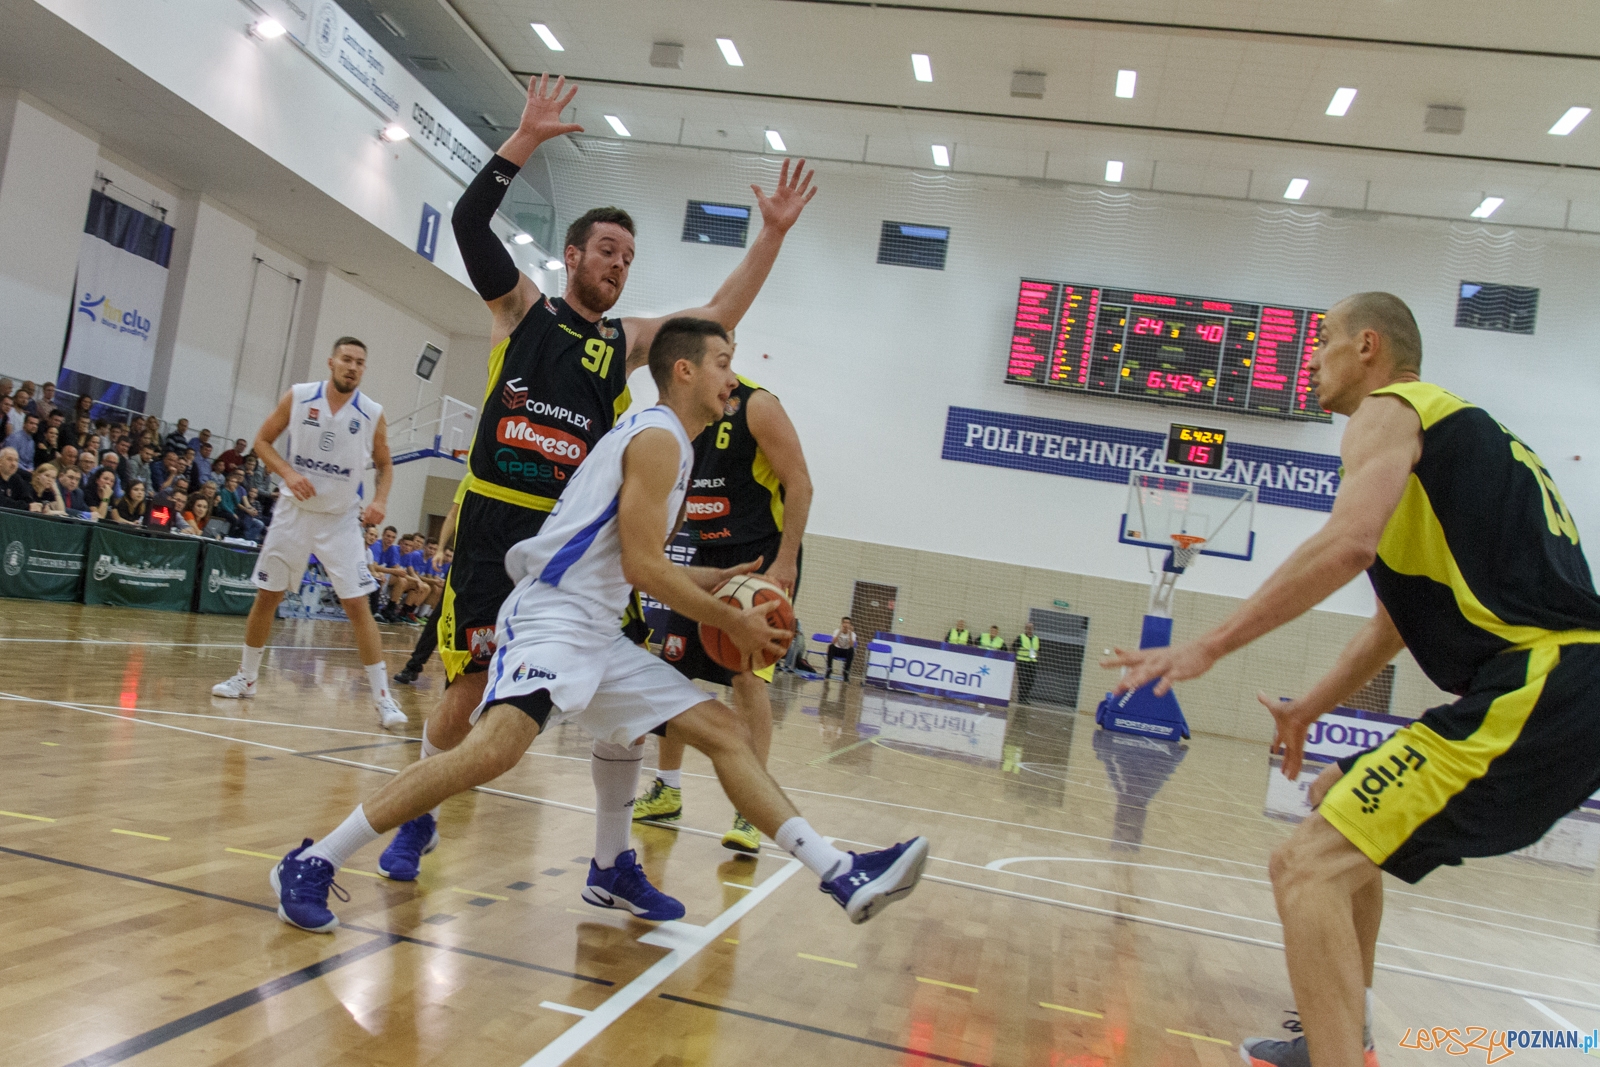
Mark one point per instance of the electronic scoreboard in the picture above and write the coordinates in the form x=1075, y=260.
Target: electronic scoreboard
x=1193, y=351
x=1196, y=446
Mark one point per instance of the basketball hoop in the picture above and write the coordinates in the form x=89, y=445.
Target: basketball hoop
x=1185, y=547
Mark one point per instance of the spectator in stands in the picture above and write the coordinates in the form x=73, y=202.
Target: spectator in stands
x=843, y=646
x=256, y=476
x=202, y=463
x=6, y=385
x=131, y=509
x=89, y=448
x=111, y=461
x=165, y=471
x=233, y=458
x=15, y=493
x=122, y=445
x=5, y=416
x=67, y=457
x=44, y=446
x=86, y=465
x=166, y=512
x=82, y=408
x=20, y=401
x=138, y=464
x=204, y=521
x=992, y=640
x=202, y=438
x=958, y=633
x=23, y=441
x=81, y=431
x=251, y=523
x=388, y=567
x=45, y=497
x=178, y=439
x=69, y=485
x=101, y=495
x=45, y=403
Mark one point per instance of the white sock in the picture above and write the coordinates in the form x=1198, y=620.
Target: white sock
x=615, y=770
x=428, y=749
x=378, y=679
x=250, y=662
x=339, y=846
x=1366, y=1024
x=797, y=838
x=672, y=778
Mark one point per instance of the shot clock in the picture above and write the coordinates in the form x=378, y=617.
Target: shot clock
x=1195, y=446
x=1193, y=351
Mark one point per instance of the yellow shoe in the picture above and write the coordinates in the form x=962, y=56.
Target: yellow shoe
x=743, y=837
x=664, y=803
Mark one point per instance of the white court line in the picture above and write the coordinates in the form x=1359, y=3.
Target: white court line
x=1503, y=926
x=685, y=940
x=553, y=1006
x=179, y=644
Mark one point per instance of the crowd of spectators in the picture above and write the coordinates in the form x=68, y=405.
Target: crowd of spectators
x=58, y=459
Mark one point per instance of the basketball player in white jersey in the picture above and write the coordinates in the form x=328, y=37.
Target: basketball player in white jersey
x=560, y=657
x=334, y=431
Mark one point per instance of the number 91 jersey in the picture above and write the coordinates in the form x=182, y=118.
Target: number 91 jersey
x=556, y=386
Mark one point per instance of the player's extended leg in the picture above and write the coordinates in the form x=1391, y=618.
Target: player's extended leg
x=862, y=884
x=447, y=726
x=1324, y=887
x=370, y=644
x=302, y=879
x=615, y=878
x=257, y=628
x=750, y=701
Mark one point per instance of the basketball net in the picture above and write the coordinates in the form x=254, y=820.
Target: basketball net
x=1185, y=548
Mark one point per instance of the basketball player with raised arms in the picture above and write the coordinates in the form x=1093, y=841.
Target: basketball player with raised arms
x=1475, y=561
x=558, y=374
x=561, y=657
x=748, y=502
x=334, y=432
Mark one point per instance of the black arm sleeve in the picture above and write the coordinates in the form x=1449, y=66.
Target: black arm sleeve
x=488, y=263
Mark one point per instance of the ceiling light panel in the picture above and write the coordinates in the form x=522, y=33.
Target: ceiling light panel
x=616, y=124
x=1489, y=206
x=1340, y=104
x=1126, y=80
x=547, y=37
x=521, y=239
x=1569, y=122
x=1297, y=188
x=921, y=67
x=1113, y=170
x=775, y=140
x=941, y=156
x=729, y=52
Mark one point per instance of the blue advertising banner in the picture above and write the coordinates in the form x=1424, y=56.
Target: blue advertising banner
x=1109, y=453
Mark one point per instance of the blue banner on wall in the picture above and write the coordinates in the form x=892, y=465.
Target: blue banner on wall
x=1109, y=453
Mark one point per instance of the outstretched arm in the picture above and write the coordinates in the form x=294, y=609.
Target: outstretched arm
x=1381, y=445
x=299, y=485
x=508, y=292
x=775, y=435
x=384, y=465
x=738, y=292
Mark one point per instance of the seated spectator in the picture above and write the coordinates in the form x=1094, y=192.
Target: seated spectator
x=203, y=438
x=178, y=439
x=101, y=495
x=111, y=461
x=23, y=441
x=44, y=446
x=90, y=447
x=43, y=487
x=82, y=408
x=137, y=465
x=81, y=432
x=164, y=471
x=67, y=457
x=6, y=386
x=233, y=458
x=248, y=519
x=87, y=465
x=15, y=493
x=122, y=445
x=166, y=512
x=203, y=522
x=131, y=509
x=202, y=462
x=45, y=403
x=69, y=485
x=256, y=476
x=5, y=416
x=20, y=401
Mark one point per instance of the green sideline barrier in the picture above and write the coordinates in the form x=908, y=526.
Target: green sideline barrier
x=224, y=586
x=133, y=570
x=42, y=559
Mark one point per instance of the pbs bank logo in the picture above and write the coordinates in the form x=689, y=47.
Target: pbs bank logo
x=16, y=555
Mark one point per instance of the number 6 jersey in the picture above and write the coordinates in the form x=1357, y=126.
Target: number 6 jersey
x=331, y=448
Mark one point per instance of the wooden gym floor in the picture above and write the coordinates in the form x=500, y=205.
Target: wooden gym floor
x=1091, y=899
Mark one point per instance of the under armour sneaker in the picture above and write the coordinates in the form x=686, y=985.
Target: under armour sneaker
x=625, y=886
x=664, y=803
x=742, y=838
x=406, y=676
x=302, y=888
x=402, y=860
x=389, y=713
x=877, y=879
x=1270, y=1052
x=234, y=688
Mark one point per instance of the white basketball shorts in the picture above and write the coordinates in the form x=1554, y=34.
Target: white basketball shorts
x=333, y=537
x=574, y=648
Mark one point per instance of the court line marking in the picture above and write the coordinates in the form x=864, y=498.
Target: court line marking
x=731, y=940
x=258, y=855
x=1071, y=1011
x=475, y=893
x=182, y=644
x=1503, y=926
x=20, y=815
x=689, y=940
x=946, y=985
x=737, y=885
x=824, y=959
x=1199, y=1037
x=136, y=833
x=51, y=744
x=553, y=1006
x=819, y=1030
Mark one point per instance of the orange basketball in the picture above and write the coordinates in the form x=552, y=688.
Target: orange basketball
x=745, y=591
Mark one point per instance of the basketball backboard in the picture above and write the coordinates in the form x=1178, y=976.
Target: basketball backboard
x=1161, y=505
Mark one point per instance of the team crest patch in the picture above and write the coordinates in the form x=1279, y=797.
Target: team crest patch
x=480, y=642
x=731, y=408
x=513, y=395
x=313, y=418
x=674, y=648
x=355, y=425
x=608, y=332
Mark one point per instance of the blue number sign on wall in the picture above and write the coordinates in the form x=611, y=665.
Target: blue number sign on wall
x=428, y=234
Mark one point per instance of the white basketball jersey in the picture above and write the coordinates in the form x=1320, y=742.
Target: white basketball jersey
x=332, y=449
x=579, y=549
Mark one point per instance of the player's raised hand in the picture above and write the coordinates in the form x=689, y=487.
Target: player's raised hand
x=541, y=117
x=794, y=192
x=1174, y=663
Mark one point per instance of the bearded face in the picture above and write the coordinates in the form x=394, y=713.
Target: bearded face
x=597, y=273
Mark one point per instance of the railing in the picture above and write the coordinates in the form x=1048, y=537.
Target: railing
x=66, y=403
x=443, y=429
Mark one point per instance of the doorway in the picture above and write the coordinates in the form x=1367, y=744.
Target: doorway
x=872, y=608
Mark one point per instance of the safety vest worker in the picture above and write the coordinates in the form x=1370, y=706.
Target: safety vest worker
x=992, y=640
x=958, y=633
x=1027, y=648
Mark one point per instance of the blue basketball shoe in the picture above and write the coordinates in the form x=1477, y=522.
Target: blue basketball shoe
x=877, y=879
x=625, y=886
x=302, y=888
x=402, y=860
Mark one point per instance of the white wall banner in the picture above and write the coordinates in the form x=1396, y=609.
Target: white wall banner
x=122, y=280
x=348, y=52
x=958, y=671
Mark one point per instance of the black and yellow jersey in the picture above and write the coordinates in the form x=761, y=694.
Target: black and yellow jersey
x=556, y=385
x=734, y=496
x=1482, y=554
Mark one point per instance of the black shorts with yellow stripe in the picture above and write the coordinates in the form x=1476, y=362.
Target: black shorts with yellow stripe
x=1486, y=775
x=478, y=583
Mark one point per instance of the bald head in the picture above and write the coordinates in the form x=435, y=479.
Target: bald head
x=1388, y=316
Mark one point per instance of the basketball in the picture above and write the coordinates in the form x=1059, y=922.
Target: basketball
x=745, y=591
